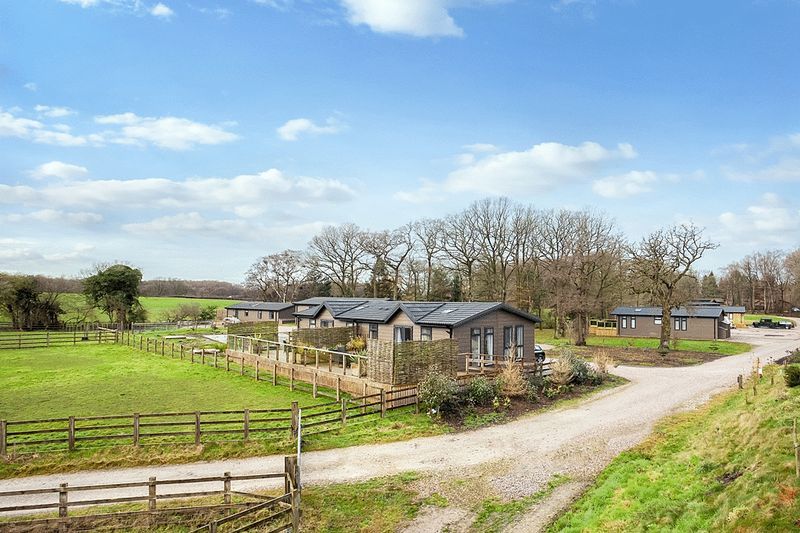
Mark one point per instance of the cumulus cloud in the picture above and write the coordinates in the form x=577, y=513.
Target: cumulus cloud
x=54, y=216
x=172, y=133
x=36, y=131
x=541, y=168
x=420, y=18
x=625, y=185
x=161, y=11
x=770, y=221
x=53, y=111
x=247, y=194
x=31, y=86
x=59, y=169
x=293, y=129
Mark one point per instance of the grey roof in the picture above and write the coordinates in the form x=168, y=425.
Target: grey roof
x=443, y=314
x=316, y=300
x=699, y=312
x=260, y=306
x=734, y=309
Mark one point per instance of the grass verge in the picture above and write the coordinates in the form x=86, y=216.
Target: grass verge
x=728, y=466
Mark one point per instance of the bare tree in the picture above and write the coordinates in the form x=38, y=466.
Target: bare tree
x=660, y=262
x=462, y=249
x=337, y=254
x=278, y=275
x=493, y=225
x=429, y=234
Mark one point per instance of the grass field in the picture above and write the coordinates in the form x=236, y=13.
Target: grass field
x=155, y=306
x=109, y=379
x=749, y=319
x=726, y=467
x=545, y=336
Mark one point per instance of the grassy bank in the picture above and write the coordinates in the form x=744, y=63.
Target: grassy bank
x=726, y=467
x=109, y=379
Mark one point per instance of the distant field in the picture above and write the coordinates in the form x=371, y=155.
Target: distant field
x=545, y=336
x=154, y=305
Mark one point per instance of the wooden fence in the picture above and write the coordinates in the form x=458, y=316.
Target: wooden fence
x=19, y=340
x=282, y=511
x=494, y=364
x=19, y=437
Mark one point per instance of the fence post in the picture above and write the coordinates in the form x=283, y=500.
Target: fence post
x=62, y=500
x=47, y=339
x=71, y=433
x=172, y=349
x=338, y=388
x=215, y=358
x=796, y=449
x=3, y=439
x=364, y=400
x=246, y=424
x=295, y=420
x=274, y=373
x=257, y=378
x=226, y=487
x=162, y=346
x=383, y=403
x=291, y=378
x=241, y=366
x=151, y=494
x=192, y=352
x=74, y=337
x=181, y=352
x=344, y=411
x=416, y=401
x=202, y=356
x=136, y=429
x=314, y=386
x=227, y=363
x=739, y=381
x=197, y=428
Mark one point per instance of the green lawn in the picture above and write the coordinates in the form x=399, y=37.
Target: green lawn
x=749, y=319
x=545, y=336
x=726, y=467
x=110, y=379
x=155, y=306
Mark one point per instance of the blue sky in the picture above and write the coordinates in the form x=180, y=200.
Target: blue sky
x=189, y=137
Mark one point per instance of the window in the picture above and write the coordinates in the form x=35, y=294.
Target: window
x=247, y=313
x=271, y=315
x=624, y=322
x=520, y=341
x=425, y=333
x=349, y=324
x=684, y=323
x=680, y=323
x=402, y=333
x=327, y=323
x=475, y=341
x=312, y=322
x=488, y=341
x=236, y=313
x=657, y=321
x=260, y=313
x=373, y=331
x=508, y=340
x=633, y=322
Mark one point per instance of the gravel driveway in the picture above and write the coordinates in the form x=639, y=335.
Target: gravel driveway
x=577, y=441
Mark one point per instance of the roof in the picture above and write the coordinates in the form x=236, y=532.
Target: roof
x=698, y=312
x=734, y=309
x=260, y=306
x=442, y=314
x=316, y=300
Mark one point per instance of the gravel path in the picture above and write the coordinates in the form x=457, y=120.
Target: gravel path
x=576, y=441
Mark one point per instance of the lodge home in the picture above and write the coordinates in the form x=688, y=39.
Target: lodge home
x=489, y=328
x=704, y=322
x=260, y=311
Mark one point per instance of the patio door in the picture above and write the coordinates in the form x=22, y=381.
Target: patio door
x=475, y=345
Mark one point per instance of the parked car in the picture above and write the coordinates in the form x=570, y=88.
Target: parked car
x=768, y=323
x=228, y=320
x=538, y=352
x=795, y=309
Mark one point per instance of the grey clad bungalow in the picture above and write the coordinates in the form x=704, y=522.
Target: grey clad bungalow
x=695, y=323
x=260, y=311
x=487, y=328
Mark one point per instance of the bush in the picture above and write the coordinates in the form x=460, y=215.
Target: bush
x=481, y=391
x=792, y=357
x=438, y=393
x=792, y=375
x=511, y=381
x=582, y=373
x=561, y=373
x=356, y=344
x=603, y=362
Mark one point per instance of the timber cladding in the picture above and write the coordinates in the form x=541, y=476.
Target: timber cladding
x=264, y=330
x=321, y=337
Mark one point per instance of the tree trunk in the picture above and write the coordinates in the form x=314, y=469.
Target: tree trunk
x=666, y=329
x=579, y=328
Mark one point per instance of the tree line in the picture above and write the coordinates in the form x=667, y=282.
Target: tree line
x=575, y=262
x=767, y=281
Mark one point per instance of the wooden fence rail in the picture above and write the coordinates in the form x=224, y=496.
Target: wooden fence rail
x=20, y=340
x=283, y=509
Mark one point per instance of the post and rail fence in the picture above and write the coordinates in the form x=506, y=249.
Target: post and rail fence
x=282, y=511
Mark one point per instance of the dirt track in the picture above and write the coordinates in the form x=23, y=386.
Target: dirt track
x=576, y=441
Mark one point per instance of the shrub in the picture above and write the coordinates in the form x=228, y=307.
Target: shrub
x=438, y=393
x=480, y=391
x=512, y=383
x=561, y=373
x=581, y=372
x=603, y=362
x=792, y=375
x=357, y=344
x=792, y=356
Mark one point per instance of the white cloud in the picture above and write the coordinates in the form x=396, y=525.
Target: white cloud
x=770, y=222
x=245, y=194
x=428, y=192
x=53, y=112
x=171, y=133
x=480, y=148
x=293, y=129
x=420, y=18
x=83, y=3
x=778, y=160
x=36, y=131
x=162, y=11
x=59, y=169
x=31, y=86
x=54, y=216
x=626, y=185
x=188, y=223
